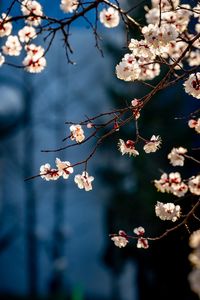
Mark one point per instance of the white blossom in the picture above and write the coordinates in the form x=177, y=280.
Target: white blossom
x=119, y=241
x=34, y=62
x=179, y=189
x=153, y=145
x=12, y=46
x=5, y=27
x=64, y=168
x=141, y=48
x=127, y=147
x=176, y=156
x=192, y=85
x=139, y=230
x=68, y=6
x=27, y=33
x=194, y=185
x=33, y=10
x=109, y=17
x=77, y=133
x=84, y=181
x=167, y=211
x=49, y=174
x=142, y=243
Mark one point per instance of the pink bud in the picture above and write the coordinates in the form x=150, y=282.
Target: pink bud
x=134, y=102
x=89, y=125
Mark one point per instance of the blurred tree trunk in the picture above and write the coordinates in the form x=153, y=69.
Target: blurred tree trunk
x=30, y=199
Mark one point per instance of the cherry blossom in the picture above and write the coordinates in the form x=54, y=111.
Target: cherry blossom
x=139, y=230
x=194, y=185
x=153, y=145
x=5, y=27
x=127, y=147
x=49, y=174
x=33, y=10
x=119, y=241
x=141, y=242
x=84, y=181
x=194, y=124
x=176, y=156
x=64, y=168
x=77, y=133
x=167, y=211
x=12, y=46
x=192, y=85
x=109, y=17
x=34, y=62
x=68, y=6
x=27, y=33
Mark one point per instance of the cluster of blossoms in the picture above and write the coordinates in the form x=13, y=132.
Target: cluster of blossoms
x=195, y=124
x=64, y=169
x=34, y=62
x=176, y=156
x=122, y=239
x=168, y=211
x=128, y=147
x=171, y=183
x=194, y=257
x=162, y=39
x=77, y=133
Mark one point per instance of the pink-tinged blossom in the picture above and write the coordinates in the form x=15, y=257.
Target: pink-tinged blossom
x=141, y=48
x=171, y=184
x=119, y=241
x=153, y=145
x=176, y=156
x=84, y=181
x=194, y=185
x=192, y=85
x=127, y=147
x=77, y=133
x=159, y=37
x=34, y=62
x=139, y=230
x=27, y=33
x=5, y=26
x=68, y=6
x=179, y=189
x=64, y=168
x=33, y=11
x=109, y=17
x=142, y=243
x=49, y=174
x=195, y=124
x=167, y=211
x=12, y=46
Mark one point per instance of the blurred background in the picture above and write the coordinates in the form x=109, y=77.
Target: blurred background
x=54, y=238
